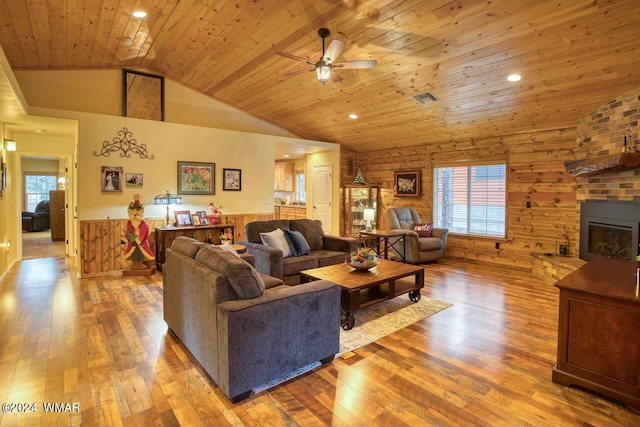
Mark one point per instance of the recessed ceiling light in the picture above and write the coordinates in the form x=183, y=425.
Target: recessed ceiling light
x=139, y=14
x=286, y=155
x=514, y=77
x=353, y=116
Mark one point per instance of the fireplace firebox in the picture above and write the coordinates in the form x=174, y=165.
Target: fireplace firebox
x=610, y=229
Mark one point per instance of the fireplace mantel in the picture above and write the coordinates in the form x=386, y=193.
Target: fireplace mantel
x=602, y=164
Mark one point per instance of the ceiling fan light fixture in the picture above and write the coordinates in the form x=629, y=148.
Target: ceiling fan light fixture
x=323, y=71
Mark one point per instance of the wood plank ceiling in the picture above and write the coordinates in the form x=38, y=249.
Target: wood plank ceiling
x=573, y=55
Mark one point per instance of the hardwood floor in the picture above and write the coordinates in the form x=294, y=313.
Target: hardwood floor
x=102, y=343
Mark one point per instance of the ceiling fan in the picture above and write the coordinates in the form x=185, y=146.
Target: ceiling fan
x=324, y=68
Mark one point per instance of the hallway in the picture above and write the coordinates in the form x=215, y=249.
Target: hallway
x=38, y=244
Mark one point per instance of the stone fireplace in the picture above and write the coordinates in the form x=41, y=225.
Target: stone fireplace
x=610, y=229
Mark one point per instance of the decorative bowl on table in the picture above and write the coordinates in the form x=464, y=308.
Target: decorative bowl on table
x=362, y=261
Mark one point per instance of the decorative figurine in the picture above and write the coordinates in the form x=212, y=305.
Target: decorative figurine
x=136, y=236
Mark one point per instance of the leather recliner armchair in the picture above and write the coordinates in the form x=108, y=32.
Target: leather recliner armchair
x=38, y=220
x=418, y=249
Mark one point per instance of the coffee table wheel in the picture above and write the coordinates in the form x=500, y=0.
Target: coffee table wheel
x=348, y=321
x=414, y=296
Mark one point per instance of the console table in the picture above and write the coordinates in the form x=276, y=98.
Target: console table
x=204, y=233
x=599, y=330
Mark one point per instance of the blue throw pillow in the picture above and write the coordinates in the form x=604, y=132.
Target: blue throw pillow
x=297, y=243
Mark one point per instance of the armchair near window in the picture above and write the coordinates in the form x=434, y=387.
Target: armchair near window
x=418, y=249
x=38, y=220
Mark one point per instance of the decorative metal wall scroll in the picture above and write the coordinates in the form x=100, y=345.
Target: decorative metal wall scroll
x=125, y=143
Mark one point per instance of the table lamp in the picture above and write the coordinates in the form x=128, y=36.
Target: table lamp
x=369, y=215
x=167, y=199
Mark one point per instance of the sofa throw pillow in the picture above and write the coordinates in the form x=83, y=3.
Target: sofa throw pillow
x=276, y=239
x=243, y=278
x=423, y=229
x=297, y=243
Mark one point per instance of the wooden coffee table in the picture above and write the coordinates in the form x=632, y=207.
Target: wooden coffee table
x=361, y=289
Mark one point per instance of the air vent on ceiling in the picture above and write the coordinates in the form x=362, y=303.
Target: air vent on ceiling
x=425, y=98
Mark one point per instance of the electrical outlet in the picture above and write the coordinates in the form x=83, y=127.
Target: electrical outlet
x=498, y=245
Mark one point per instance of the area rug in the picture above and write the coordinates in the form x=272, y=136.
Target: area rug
x=373, y=323
x=38, y=244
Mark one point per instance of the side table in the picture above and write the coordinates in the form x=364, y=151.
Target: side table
x=385, y=240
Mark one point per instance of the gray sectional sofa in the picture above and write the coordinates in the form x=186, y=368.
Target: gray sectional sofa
x=245, y=328
x=324, y=249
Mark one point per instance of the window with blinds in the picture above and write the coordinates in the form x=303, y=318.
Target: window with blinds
x=471, y=199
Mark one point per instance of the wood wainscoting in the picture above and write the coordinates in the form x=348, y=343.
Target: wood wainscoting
x=101, y=251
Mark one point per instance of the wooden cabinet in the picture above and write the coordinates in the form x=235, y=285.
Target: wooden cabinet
x=599, y=330
x=57, y=215
x=208, y=233
x=283, y=180
x=357, y=198
x=292, y=212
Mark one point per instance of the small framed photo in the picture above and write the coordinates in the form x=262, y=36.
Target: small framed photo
x=111, y=179
x=195, y=220
x=406, y=183
x=133, y=179
x=203, y=217
x=232, y=179
x=196, y=178
x=183, y=218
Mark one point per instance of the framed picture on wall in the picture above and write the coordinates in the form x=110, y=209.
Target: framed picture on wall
x=406, y=183
x=134, y=179
x=111, y=177
x=232, y=179
x=196, y=178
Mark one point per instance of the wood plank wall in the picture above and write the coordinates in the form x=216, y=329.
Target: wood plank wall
x=101, y=252
x=536, y=174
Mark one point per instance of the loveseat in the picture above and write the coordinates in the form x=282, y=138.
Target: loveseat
x=323, y=249
x=244, y=328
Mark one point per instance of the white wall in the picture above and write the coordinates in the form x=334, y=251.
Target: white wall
x=100, y=91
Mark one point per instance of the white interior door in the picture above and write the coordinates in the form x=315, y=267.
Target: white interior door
x=322, y=195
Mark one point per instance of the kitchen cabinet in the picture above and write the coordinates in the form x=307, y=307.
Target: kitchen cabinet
x=293, y=212
x=283, y=179
x=357, y=198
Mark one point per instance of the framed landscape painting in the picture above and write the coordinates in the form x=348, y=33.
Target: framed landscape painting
x=407, y=183
x=196, y=178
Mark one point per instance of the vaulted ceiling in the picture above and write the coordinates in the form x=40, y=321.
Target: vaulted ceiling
x=573, y=55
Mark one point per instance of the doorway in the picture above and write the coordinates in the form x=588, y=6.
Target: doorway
x=322, y=185
x=43, y=201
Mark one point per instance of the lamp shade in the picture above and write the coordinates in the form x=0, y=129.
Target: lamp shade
x=323, y=71
x=167, y=199
x=369, y=214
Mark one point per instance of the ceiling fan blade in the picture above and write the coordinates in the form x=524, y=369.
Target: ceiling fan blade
x=333, y=51
x=357, y=64
x=294, y=57
x=295, y=73
x=335, y=77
